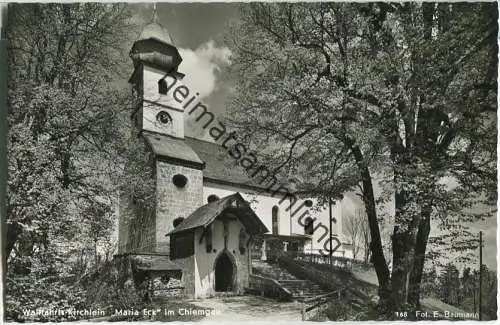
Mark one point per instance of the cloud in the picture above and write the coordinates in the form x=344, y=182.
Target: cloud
x=201, y=66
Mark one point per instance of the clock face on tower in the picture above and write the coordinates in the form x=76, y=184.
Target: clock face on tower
x=163, y=119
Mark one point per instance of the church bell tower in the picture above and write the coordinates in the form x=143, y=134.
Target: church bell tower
x=159, y=120
x=155, y=59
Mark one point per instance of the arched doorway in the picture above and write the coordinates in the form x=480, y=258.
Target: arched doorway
x=224, y=273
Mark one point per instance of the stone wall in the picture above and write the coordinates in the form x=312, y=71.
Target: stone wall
x=268, y=287
x=173, y=201
x=188, y=274
x=125, y=216
x=136, y=225
x=322, y=277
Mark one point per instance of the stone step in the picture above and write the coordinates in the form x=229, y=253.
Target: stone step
x=300, y=289
x=304, y=290
x=315, y=293
x=298, y=286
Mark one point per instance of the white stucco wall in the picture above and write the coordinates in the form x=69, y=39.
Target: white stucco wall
x=204, y=263
x=262, y=204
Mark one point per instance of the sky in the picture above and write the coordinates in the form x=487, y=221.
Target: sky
x=197, y=29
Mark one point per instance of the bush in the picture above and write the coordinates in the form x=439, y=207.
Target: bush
x=338, y=311
x=31, y=298
x=343, y=311
x=26, y=296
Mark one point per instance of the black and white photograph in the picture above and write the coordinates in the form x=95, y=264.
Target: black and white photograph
x=248, y=161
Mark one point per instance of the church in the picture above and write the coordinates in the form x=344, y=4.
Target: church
x=210, y=218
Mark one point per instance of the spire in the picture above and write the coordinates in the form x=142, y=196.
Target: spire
x=155, y=14
x=155, y=30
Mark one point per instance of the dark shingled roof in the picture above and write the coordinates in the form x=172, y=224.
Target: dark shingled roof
x=154, y=263
x=170, y=147
x=217, y=164
x=234, y=203
x=220, y=166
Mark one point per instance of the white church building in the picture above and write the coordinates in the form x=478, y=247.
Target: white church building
x=211, y=218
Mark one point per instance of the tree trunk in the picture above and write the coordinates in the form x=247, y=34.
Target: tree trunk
x=420, y=249
x=367, y=253
x=404, y=237
x=378, y=258
x=13, y=232
x=400, y=269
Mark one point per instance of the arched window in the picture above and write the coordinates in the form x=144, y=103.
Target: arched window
x=242, y=241
x=309, y=226
x=208, y=239
x=162, y=86
x=276, y=218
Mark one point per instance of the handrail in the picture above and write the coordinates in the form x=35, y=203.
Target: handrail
x=326, y=295
x=319, y=301
x=319, y=258
x=276, y=289
x=299, y=270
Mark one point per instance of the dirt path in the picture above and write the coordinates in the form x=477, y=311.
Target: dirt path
x=249, y=308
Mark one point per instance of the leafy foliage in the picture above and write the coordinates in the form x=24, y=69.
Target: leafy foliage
x=341, y=94
x=462, y=290
x=68, y=112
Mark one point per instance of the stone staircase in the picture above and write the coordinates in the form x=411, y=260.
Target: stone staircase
x=300, y=289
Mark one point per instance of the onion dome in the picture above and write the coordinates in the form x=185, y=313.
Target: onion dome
x=155, y=30
x=155, y=47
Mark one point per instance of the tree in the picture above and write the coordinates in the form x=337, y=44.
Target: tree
x=358, y=233
x=346, y=91
x=66, y=107
x=489, y=292
x=467, y=286
x=450, y=285
x=463, y=291
x=430, y=282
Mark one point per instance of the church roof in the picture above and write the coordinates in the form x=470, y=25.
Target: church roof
x=223, y=169
x=172, y=148
x=148, y=262
x=155, y=47
x=220, y=167
x=205, y=215
x=155, y=30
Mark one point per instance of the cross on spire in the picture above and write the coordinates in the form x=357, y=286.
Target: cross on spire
x=155, y=13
